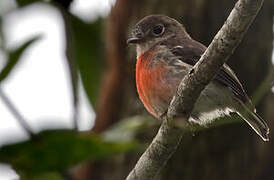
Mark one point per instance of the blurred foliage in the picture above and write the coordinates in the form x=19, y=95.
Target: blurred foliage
x=25, y=2
x=86, y=49
x=14, y=57
x=1, y=34
x=42, y=176
x=50, y=153
x=58, y=150
x=127, y=129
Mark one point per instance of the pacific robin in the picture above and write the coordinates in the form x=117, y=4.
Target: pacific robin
x=165, y=54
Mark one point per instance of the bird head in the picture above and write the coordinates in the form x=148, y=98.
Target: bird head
x=155, y=29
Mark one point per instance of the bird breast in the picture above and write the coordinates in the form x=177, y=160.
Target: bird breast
x=152, y=84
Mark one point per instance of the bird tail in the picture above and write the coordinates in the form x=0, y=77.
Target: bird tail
x=255, y=122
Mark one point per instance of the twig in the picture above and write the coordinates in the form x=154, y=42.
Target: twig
x=168, y=137
x=24, y=124
x=71, y=61
x=264, y=87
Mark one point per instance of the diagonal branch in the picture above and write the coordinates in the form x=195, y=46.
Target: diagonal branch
x=169, y=135
x=71, y=62
x=21, y=120
x=63, y=7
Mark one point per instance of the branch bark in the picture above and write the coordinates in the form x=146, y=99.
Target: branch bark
x=171, y=132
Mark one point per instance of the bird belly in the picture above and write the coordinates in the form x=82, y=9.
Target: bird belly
x=215, y=101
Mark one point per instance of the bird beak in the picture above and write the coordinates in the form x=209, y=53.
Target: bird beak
x=133, y=40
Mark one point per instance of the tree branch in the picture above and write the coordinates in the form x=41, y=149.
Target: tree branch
x=21, y=120
x=71, y=60
x=63, y=7
x=175, y=125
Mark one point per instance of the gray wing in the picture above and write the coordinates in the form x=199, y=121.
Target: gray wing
x=225, y=76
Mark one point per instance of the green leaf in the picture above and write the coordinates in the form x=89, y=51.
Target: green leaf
x=14, y=57
x=22, y=3
x=42, y=176
x=87, y=50
x=57, y=150
x=127, y=129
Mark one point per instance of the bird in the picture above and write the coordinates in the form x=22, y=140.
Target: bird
x=165, y=55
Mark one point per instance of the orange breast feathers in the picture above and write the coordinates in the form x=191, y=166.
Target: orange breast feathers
x=152, y=85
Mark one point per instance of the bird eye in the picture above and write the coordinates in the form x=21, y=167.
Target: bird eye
x=158, y=30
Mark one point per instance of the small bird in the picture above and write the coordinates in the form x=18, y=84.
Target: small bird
x=165, y=54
